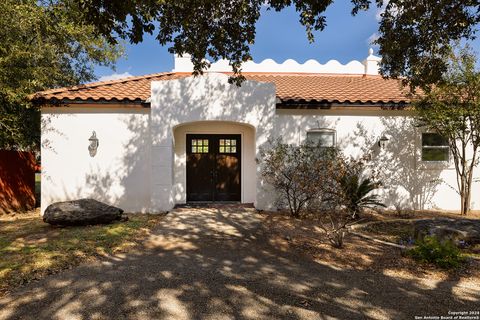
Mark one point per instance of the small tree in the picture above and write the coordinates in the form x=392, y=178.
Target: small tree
x=294, y=173
x=452, y=109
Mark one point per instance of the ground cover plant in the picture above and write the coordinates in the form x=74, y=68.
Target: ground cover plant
x=385, y=226
x=31, y=249
x=444, y=254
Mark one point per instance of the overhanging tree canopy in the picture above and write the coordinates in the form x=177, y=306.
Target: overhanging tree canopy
x=42, y=45
x=414, y=35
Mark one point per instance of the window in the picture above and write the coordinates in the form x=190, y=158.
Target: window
x=434, y=147
x=324, y=138
x=227, y=146
x=199, y=145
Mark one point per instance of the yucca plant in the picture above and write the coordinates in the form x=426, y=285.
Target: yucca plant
x=357, y=193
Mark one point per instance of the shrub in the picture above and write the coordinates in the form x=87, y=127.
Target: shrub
x=297, y=173
x=443, y=254
x=322, y=180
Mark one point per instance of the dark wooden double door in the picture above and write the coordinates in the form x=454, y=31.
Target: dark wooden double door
x=213, y=167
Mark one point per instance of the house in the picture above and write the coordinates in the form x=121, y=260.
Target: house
x=151, y=142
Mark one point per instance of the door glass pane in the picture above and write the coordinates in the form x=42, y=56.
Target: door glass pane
x=199, y=145
x=227, y=146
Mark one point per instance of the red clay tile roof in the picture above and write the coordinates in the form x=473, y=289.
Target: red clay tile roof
x=296, y=88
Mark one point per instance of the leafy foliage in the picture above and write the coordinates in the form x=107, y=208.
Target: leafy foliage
x=414, y=36
x=42, y=46
x=357, y=192
x=319, y=180
x=295, y=172
x=441, y=253
x=452, y=109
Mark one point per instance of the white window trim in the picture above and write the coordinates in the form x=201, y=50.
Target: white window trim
x=323, y=130
x=430, y=165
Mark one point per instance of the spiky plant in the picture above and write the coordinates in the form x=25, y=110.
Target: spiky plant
x=357, y=193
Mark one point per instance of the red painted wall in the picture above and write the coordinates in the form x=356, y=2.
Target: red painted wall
x=17, y=181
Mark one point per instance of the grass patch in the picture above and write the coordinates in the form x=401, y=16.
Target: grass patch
x=31, y=249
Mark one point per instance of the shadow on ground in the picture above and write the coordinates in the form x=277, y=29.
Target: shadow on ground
x=218, y=264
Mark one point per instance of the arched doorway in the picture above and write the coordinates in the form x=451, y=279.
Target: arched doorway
x=214, y=162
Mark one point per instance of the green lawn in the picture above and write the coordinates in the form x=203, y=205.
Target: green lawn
x=31, y=249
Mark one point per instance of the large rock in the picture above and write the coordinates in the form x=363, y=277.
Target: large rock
x=457, y=230
x=81, y=212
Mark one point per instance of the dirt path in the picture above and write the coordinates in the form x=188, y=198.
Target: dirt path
x=219, y=264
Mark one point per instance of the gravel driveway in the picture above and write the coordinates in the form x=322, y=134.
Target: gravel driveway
x=219, y=264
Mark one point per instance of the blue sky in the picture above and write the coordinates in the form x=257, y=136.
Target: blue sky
x=279, y=36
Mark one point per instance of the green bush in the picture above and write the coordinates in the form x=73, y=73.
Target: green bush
x=443, y=254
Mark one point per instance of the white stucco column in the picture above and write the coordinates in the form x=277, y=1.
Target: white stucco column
x=162, y=159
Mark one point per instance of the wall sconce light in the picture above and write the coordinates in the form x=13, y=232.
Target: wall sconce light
x=92, y=148
x=382, y=143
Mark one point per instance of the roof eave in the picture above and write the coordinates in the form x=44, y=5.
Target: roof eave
x=81, y=102
x=314, y=105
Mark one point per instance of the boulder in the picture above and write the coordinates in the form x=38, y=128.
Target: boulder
x=81, y=212
x=457, y=230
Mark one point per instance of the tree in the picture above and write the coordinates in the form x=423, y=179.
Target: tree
x=452, y=109
x=414, y=35
x=42, y=46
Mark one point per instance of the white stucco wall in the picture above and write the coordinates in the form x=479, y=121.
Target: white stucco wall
x=119, y=174
x=408, y=181
x=140, y=163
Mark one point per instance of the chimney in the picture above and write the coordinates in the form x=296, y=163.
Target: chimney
x=182, y=63
x=371, y=63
